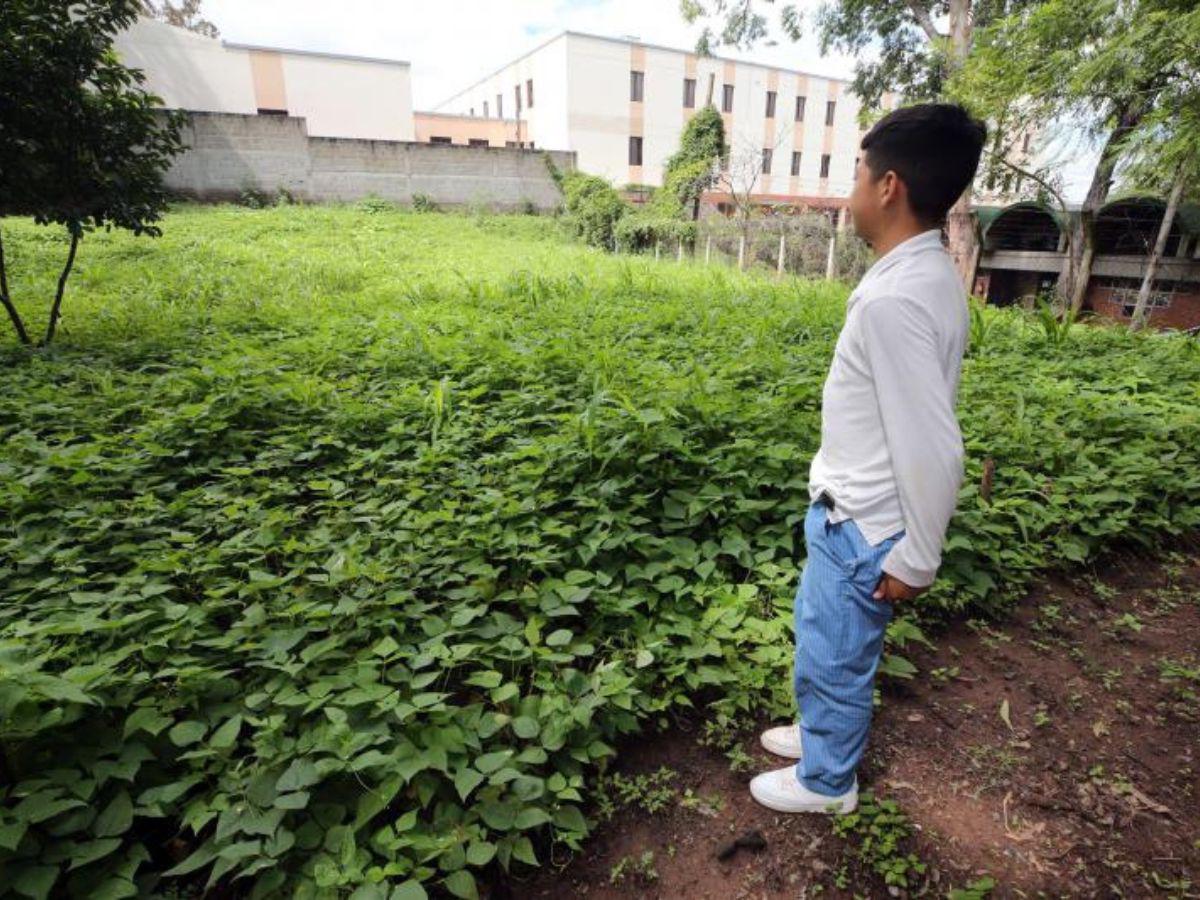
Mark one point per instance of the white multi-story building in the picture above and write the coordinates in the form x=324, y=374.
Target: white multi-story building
x=337, y=95
x=621, y=105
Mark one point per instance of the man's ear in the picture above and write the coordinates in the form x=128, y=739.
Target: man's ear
x=891, y=189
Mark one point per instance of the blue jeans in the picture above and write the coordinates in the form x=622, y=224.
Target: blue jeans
x=839, y=637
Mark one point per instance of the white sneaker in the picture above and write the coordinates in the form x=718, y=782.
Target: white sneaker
x=783, y=741
x=782, y=791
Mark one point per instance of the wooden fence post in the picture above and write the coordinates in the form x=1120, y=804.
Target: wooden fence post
x=782, y=249
x=742, y=252
x=708, y=250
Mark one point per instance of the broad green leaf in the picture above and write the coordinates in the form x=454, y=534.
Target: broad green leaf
x=186, y=733
x=462, y=884
x=300, y=774
x=409, y=890
x=226, y=736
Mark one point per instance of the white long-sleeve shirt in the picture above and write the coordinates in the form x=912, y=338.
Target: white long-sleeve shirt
x=891, y=452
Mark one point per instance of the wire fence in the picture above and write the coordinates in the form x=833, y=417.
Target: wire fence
x=805, y=245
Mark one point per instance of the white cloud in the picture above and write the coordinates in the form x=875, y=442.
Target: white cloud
x=451, y=43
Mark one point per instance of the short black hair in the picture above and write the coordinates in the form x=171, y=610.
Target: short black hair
x=933, y=148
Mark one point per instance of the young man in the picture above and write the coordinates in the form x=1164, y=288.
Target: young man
x=885, y=479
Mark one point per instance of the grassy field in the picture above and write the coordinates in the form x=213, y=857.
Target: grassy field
x=339, y=547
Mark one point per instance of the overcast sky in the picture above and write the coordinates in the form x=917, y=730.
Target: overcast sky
x=453, y=43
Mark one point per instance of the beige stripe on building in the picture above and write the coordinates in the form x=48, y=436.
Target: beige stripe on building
x=798, y=130
x=269, y=89
x=637, y=109
x=827, y=142
x=771, y=132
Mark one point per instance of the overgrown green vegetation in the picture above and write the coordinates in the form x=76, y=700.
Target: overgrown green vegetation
x=340, y=545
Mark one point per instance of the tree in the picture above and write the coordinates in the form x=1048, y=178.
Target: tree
x=739, y=176
x=185, y=14
x=692, y=169
x=1165, y=148
x=81, y=143
x=916, y=58
x=1105, y=65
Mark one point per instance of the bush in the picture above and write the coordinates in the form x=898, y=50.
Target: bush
x=375, y=205
x=423, y=203
x=642, y=229
x=593, y=208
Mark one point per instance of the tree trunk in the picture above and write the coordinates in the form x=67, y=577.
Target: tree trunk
x=7, y=301
x=62, y=286
x=1160, y=246
x=959, y=229
x=961, y=233
x=1082, y=270
x=1074, y=287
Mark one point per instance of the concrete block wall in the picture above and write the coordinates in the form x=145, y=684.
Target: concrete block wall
x=229, y=154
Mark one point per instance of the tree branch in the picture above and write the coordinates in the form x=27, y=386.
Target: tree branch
x=925, y=20
x=7, y=301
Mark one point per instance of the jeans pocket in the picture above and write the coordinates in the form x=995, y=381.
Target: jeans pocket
x=864, y=568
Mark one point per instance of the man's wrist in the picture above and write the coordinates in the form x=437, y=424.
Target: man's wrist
x=915, y=578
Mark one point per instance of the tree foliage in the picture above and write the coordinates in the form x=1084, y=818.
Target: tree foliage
x=739, y=23
x=184, y=14
x=1122, y=72
x=82, y=144
x=692, y=169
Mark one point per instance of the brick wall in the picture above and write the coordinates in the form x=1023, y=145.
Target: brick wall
x=229, y=154
x=1183, y=310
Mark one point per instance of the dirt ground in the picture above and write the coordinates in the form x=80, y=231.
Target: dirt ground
x=1056, y=753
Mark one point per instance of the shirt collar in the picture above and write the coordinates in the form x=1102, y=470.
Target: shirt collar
x=925, y=240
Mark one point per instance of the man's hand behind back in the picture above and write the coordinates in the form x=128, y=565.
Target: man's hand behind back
x=891, y=589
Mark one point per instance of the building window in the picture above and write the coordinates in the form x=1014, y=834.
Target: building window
x=485, y=109
x=517, y=98
x=478, y=142
x=511, y=144
x=262, y=111
x=770, y=104
x=795, y=162
x=830, y=108
x=727, y=98
x=440, y=140
x=637, y=86
x=767, y=154
x=635, y=151
x=800, y=103
x=1127, y=297
x=689, y=93
x=824, y=165
x=499, y=106
x=529, y=93
x=472, y=110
